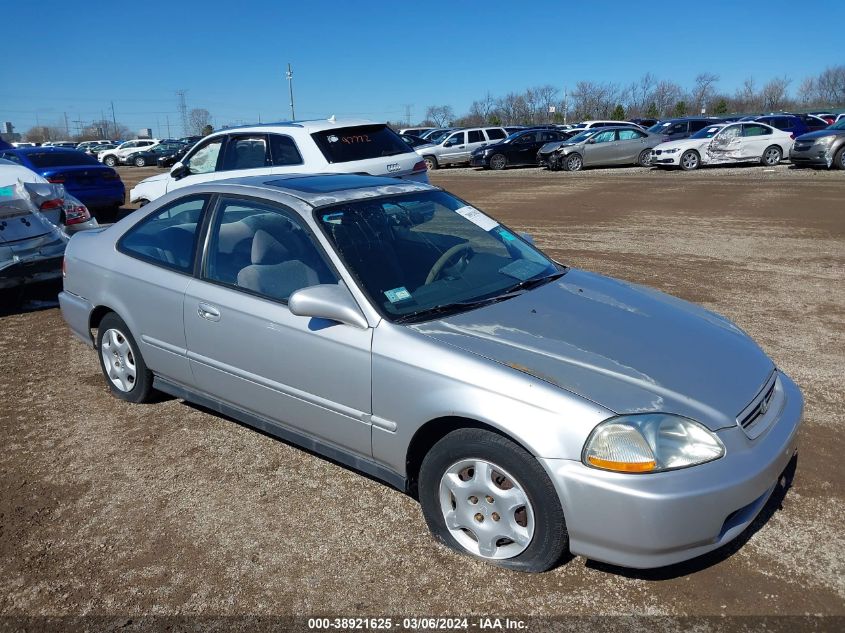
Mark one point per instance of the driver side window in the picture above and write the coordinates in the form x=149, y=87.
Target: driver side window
x=204, y=160
x=604, y=137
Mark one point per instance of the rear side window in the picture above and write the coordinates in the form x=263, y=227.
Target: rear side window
x=167, y=238
x=495, y=134
x=630, y=135
x=61, y=159
x=678, y=128
x=475, y=136
x=359, y=143
x=245, y=152
x=283, y=151
x=753, y=129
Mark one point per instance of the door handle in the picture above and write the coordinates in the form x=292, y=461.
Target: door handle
x=208, y=312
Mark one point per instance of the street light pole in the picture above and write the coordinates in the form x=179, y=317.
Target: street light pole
x=289, y=75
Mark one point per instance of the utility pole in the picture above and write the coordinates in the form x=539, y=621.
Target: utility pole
x=408, y=107
x=67, y=127
x=289, y=75
x=168, y=125
x=113, y=118
x=565, y=105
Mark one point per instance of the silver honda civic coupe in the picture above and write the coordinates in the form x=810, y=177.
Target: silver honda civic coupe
x=529, y=406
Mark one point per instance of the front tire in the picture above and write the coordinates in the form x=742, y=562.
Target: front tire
x=484, y=495
x=110, y=161
x=121, y=362
x=498, y=162
x=430, y=162
x=140, y=162
x=839, y=159
x=644, y=159
x=690, y=160
x=772, y=156
x=573, y=162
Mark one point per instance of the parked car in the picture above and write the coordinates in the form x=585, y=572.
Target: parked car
x=94, y=150
x=85, y=146
x=150, y=156
x=67, y=144
x=457, y=147
x=621, y=145
x=388, y=325
x=820, y=148
x=97, y=186
x=414, y=141
x=168, y=160
x=35, y=220
x=644, y=123
x=190, y=140
x=747, y=141
x=794, y=124
x=415, y=131
x=22, y=144
x=111, y=157
x=520, y=148
x=546, y=151
x=587, y=125
x=437, y=134
x=338, y=146
x=674, y=129
x=825, y=116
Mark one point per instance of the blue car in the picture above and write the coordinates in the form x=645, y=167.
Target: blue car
x=795, y=124
x=95, y=185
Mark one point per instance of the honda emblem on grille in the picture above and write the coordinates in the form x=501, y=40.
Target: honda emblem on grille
x=393, y=167
x=764, y=405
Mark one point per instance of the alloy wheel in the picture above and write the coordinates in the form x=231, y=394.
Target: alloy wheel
x=118, y=360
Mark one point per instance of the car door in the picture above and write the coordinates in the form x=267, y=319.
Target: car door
x=629, y=145
x=600, y=149
x=726, y=146
x=245, y=346
x=159, y=263
x=755, y=139
x=200, y=165
x=475, y=139
x=453, y=148
x=520, y=149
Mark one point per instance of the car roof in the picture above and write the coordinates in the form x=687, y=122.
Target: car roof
x=309, y=126
x=320, y=189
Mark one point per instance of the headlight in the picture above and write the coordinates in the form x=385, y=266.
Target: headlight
x=825, y=140
x=649, y=443
x=674, y=150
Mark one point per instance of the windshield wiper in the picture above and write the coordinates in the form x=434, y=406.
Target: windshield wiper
x=461, y=306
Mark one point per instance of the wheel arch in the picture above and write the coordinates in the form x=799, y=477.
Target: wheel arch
x=435, y=430
x=97, y=315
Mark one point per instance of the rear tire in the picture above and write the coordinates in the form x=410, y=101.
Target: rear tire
x=498, y=162
x=140, y=162
x=690, y=160
x=477, y=471
x=644, y=159
x=430, y=162
x=110, y=161
x=772, y=156
x=121, y=362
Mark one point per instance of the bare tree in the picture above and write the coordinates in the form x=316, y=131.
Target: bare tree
x=830, y=86
x=512, y=109
x=665, y=95
x=441, y=115
x=773, y=95
x=746, y=96
x=198, y=118
x=705, y=85
x=807, y=91
x=641, y=94
x=545, y=97
x=593, y=100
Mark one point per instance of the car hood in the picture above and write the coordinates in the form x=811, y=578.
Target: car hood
x=683, y=143
x=625, y=347
x=156, y=178
x=811, y=136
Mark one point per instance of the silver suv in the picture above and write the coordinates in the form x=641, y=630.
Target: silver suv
x=457, y=147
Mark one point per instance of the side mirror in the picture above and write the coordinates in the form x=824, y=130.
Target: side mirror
x=591, y=141
x=179, y=170
x=328, y=301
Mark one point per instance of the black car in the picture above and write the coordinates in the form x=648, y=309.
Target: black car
x=152, y=155
x=676, y=129
x=520, y=148
x=168, y=160
x=414, y=141
x=644, y=123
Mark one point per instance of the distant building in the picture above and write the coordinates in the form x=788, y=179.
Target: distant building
x=8, y=134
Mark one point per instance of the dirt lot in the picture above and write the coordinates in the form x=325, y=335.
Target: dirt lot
x=113, y=509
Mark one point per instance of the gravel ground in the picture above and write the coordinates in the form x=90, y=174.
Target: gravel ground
x=167, y=509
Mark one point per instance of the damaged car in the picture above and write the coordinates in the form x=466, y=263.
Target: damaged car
x=36, y=221
x=603, y=146
x=824, y=148
x=722, y=143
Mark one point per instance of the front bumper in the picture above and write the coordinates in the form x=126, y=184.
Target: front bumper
x=819, y=155
x=646, y=521
x=478, y=160
x=661, y=158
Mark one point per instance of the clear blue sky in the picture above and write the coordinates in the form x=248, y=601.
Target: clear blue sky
x=369, y=58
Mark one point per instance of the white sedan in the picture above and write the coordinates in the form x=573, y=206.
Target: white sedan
x=746, y=141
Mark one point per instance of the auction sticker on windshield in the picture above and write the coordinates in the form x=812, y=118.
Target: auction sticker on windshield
x=477, y=217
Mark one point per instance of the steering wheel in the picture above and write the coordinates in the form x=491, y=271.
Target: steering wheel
x=462, y=249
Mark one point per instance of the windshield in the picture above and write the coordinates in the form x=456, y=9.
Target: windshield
x=707, y=132
x=436, y=137
x=659, y=127
x=428, y=253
